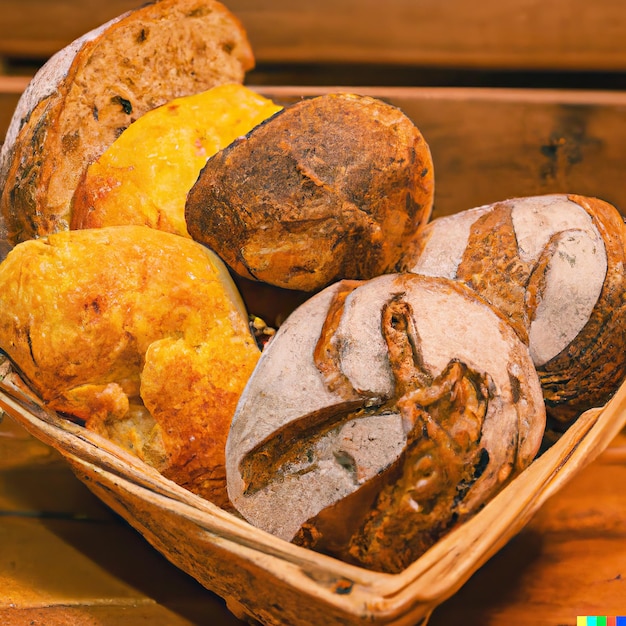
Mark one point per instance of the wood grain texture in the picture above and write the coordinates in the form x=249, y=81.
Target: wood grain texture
x=66, y=559
x=569, y=561
x=518, y=34
x=11, y=87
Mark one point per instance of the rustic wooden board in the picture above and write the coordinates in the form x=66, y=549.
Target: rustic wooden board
x=569, y=561
x=516, y=34
x=66, y=559
x=11, y=87
x=84, y=571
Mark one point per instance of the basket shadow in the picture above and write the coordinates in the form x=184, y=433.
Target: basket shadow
x=494, y=586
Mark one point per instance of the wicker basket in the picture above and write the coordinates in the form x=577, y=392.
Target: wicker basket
x=266, y=579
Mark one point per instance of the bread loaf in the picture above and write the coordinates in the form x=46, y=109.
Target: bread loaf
x=331, y=187
x=382, y=414
x=90, y=91
x=138, y=333
x=144, y=176
x=554, y=266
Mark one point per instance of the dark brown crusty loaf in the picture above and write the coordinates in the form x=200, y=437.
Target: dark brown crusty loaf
x=90, y=91
x=331, y=187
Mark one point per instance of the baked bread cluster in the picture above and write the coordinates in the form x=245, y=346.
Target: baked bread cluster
x=155, y=218
x=89, y=92
x=144, y=176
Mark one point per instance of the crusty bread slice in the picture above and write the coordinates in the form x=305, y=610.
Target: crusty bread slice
x=90, y=91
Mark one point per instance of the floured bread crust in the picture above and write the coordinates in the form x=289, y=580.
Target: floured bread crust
x=554, y=266
x=138, y=332
x=383, y=413
x=88, y=93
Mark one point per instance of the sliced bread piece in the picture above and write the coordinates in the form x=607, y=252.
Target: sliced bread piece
x=90, y=91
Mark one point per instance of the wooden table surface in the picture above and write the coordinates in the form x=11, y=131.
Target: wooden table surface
x=66, y=559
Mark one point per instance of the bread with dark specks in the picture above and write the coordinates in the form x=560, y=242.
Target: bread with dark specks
x=90, y=91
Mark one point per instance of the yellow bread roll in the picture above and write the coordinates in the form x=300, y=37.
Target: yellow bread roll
x=140, y=334
x=145, y=175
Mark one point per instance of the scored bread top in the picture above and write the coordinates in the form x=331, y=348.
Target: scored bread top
x=554, y=266
x=89, y=92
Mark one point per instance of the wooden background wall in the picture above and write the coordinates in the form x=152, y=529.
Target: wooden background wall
x=514, y=34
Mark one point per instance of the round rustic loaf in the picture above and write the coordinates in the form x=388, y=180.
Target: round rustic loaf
x=90, y=91
x=554, y=266
x=331, y=187
x=139, y=333
x=382, y=414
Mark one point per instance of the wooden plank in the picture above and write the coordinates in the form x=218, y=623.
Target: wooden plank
x=65, y=558
x=569, y=561
x=457, y=33
x=93, y=615
x=19, y=450
x=11, y=87
x=492, y=144
x=84, y=572
x=517, y=34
